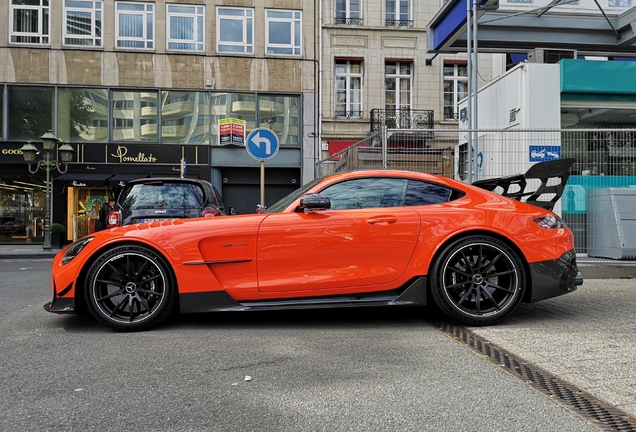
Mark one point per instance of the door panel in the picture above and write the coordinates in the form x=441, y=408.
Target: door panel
x=335, y=248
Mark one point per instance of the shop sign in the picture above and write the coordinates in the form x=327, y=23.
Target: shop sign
x=122, y=155
x=143, y=154
x=231, y=131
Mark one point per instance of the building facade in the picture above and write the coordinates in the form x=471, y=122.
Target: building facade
x=137, y=86
x=376, y=71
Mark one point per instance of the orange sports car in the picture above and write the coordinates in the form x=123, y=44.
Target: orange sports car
x=365, y=238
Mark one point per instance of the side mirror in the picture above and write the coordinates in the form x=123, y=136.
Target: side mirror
x=234, y=210
x=315, y=202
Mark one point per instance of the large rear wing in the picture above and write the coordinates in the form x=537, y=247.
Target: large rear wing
x=550, y=176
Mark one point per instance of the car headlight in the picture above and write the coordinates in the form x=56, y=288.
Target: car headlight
x=75, y=249
x=549, y=222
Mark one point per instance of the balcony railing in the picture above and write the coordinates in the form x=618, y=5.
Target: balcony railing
x=348, y=114
x=401, y=119
x=349, y=21
x=399, y=23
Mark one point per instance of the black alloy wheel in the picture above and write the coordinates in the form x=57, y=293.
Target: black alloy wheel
x=477, y=280
x=130, y=288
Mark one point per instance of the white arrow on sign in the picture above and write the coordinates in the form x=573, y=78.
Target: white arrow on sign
x=258, y=141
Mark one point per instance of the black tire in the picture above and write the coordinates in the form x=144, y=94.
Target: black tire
x=130, y=288
x=477, y=280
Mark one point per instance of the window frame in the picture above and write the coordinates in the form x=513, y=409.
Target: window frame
x=398, y=20
x=148, y=17
x=348, y=75
x=195, y=15
x=455, y=79
x=348, y=19
x=295, y=36
x=247, y=21
x=399, y=77
x=96, y=15
x=44, y=38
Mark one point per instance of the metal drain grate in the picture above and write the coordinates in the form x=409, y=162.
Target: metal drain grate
x=600, y=414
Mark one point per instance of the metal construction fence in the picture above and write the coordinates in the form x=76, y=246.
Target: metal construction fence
x=599, y=199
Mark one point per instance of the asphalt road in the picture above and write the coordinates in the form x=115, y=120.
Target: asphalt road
x=347, y=370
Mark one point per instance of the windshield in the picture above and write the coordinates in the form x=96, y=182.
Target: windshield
x=285, y=202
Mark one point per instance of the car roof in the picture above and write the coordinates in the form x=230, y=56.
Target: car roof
x=167, y=179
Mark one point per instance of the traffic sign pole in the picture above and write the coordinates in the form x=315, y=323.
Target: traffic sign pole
x=262, y=145
x=262, y=182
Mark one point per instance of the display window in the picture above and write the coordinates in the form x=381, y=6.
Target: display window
x=84, y=204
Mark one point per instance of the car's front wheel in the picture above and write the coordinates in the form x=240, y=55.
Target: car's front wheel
x=130, y=288
x=477, y=280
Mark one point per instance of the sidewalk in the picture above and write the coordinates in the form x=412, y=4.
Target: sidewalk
x=591, y=268
x=32, y=251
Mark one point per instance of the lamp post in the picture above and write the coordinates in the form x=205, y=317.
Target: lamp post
x=48, y=164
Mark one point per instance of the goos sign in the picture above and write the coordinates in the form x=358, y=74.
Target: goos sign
x=11, y=152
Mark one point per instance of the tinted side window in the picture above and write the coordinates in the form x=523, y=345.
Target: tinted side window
x=366, y=193
x=423, y=193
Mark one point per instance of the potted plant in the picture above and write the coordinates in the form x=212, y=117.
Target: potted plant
x=57, y=231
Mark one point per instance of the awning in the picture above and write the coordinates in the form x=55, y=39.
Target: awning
x=82, y=180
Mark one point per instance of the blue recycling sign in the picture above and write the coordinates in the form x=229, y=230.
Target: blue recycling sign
x=542, y=153
x=262, y=144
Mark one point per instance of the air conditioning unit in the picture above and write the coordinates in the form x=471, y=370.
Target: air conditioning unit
x=542, y=55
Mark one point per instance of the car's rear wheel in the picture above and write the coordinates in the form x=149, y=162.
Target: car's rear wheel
x=477, y=280
x=130, y=288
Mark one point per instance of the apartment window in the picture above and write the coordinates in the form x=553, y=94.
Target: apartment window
x=30, y=21
x=455, y=88
x=235, y=30
x=185, y=28
x=348, y=12
x=397, y=88
x=83, y=23
x=398, y=13
x=134, y=25
x=283, y=32
x=348, y=89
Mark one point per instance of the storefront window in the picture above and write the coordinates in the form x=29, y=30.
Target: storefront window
x=30, y=112
x=82, y=114
x=22, y=208
x=84, y=204
x=278, y=113
x=232, y=105
x=134, y=116
x=185, y=117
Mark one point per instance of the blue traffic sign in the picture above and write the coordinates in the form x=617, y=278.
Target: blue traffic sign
x=262, y=144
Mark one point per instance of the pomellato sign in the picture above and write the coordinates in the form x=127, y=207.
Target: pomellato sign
x=122, y=155
x=143, y=154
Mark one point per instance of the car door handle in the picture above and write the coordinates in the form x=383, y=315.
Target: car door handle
x=384, y=220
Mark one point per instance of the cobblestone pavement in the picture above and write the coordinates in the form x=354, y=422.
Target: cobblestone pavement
x=587, y=338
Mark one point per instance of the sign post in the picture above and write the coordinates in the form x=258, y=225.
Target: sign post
x=262, y=145
x=183, y=168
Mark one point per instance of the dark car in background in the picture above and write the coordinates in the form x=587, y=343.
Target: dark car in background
x=159, y=199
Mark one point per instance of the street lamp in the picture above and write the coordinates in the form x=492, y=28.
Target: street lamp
x=29, y=152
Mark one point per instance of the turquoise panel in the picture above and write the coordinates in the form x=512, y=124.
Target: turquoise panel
x=598, y=77
x=575, y=192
